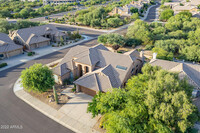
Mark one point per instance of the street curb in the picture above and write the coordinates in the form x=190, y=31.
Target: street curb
x=42, y=110
x=59, y=48
x=81, y=27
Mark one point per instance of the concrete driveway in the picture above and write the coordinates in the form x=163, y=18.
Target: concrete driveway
x=76, y=108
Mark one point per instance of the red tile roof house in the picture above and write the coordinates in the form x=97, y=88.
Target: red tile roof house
x=8, y=48
x=97, y=69
x=35, y=37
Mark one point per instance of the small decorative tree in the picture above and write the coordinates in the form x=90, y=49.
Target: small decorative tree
x=37, y=78
x=61, y=40
x=55, y=94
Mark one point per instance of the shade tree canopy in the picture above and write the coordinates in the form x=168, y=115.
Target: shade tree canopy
x=154, y=101
x=37, y=78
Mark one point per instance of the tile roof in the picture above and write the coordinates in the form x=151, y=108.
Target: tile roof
x=191, y=70
x=6, y=44
x=28, y=33
x=104, y=62
x=99, y=80
x=33, y=38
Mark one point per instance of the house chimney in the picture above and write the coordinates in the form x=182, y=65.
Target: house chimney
x=142, y=55
x=154, y=55
x=10, y=33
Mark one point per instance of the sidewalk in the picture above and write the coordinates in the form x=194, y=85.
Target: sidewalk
x=73, y=115
x=19, y=59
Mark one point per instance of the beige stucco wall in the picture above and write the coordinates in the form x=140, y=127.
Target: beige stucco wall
x=38, y=45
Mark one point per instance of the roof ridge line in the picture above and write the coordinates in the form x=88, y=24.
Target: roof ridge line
x=95, y=76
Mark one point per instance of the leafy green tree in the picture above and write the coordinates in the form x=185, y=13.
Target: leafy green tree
x=191, y=25
x=163, y=54
x=191, y=53
x=4, y=26
x=37, y=78
x=114, y=22
x=166, y=14
x=102, y=38
x=194, y=36
x=135, y=16
x=133, y=10
x=25, y=12
x=4, y=13
x=186, y=13
x=140, y=31
x=154, y=101
x=176, y=22
x=112, y=39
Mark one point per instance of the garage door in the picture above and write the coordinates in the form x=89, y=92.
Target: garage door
x=43, y=44
x=13, y=53
x=87, y=91
x=33, y=46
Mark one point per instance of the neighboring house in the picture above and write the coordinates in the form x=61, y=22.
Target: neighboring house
x=97, y=69
x=191, y=6
x=172, y=4
x=57, y=2
x=35, y=37
x=192, y=9
x=8, y=48
x=122, y=11
x=191, y=71
x=125, y=10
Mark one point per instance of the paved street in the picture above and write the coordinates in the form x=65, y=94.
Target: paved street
x=16, y=112
x=13, y=111
x=152, y=14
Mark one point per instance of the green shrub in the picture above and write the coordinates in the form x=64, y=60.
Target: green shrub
x=73, y=89
x=30, y=54
x=119, y=51
x=3, y=65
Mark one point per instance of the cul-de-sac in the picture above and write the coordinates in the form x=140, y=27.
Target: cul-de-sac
x=99, y=66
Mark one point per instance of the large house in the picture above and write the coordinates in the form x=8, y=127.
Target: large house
x=35, y=37
x=8, y=48
x=193, y=9
x=125, y=10
x=182, y=5
x=191, y=71
x=97, y=69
